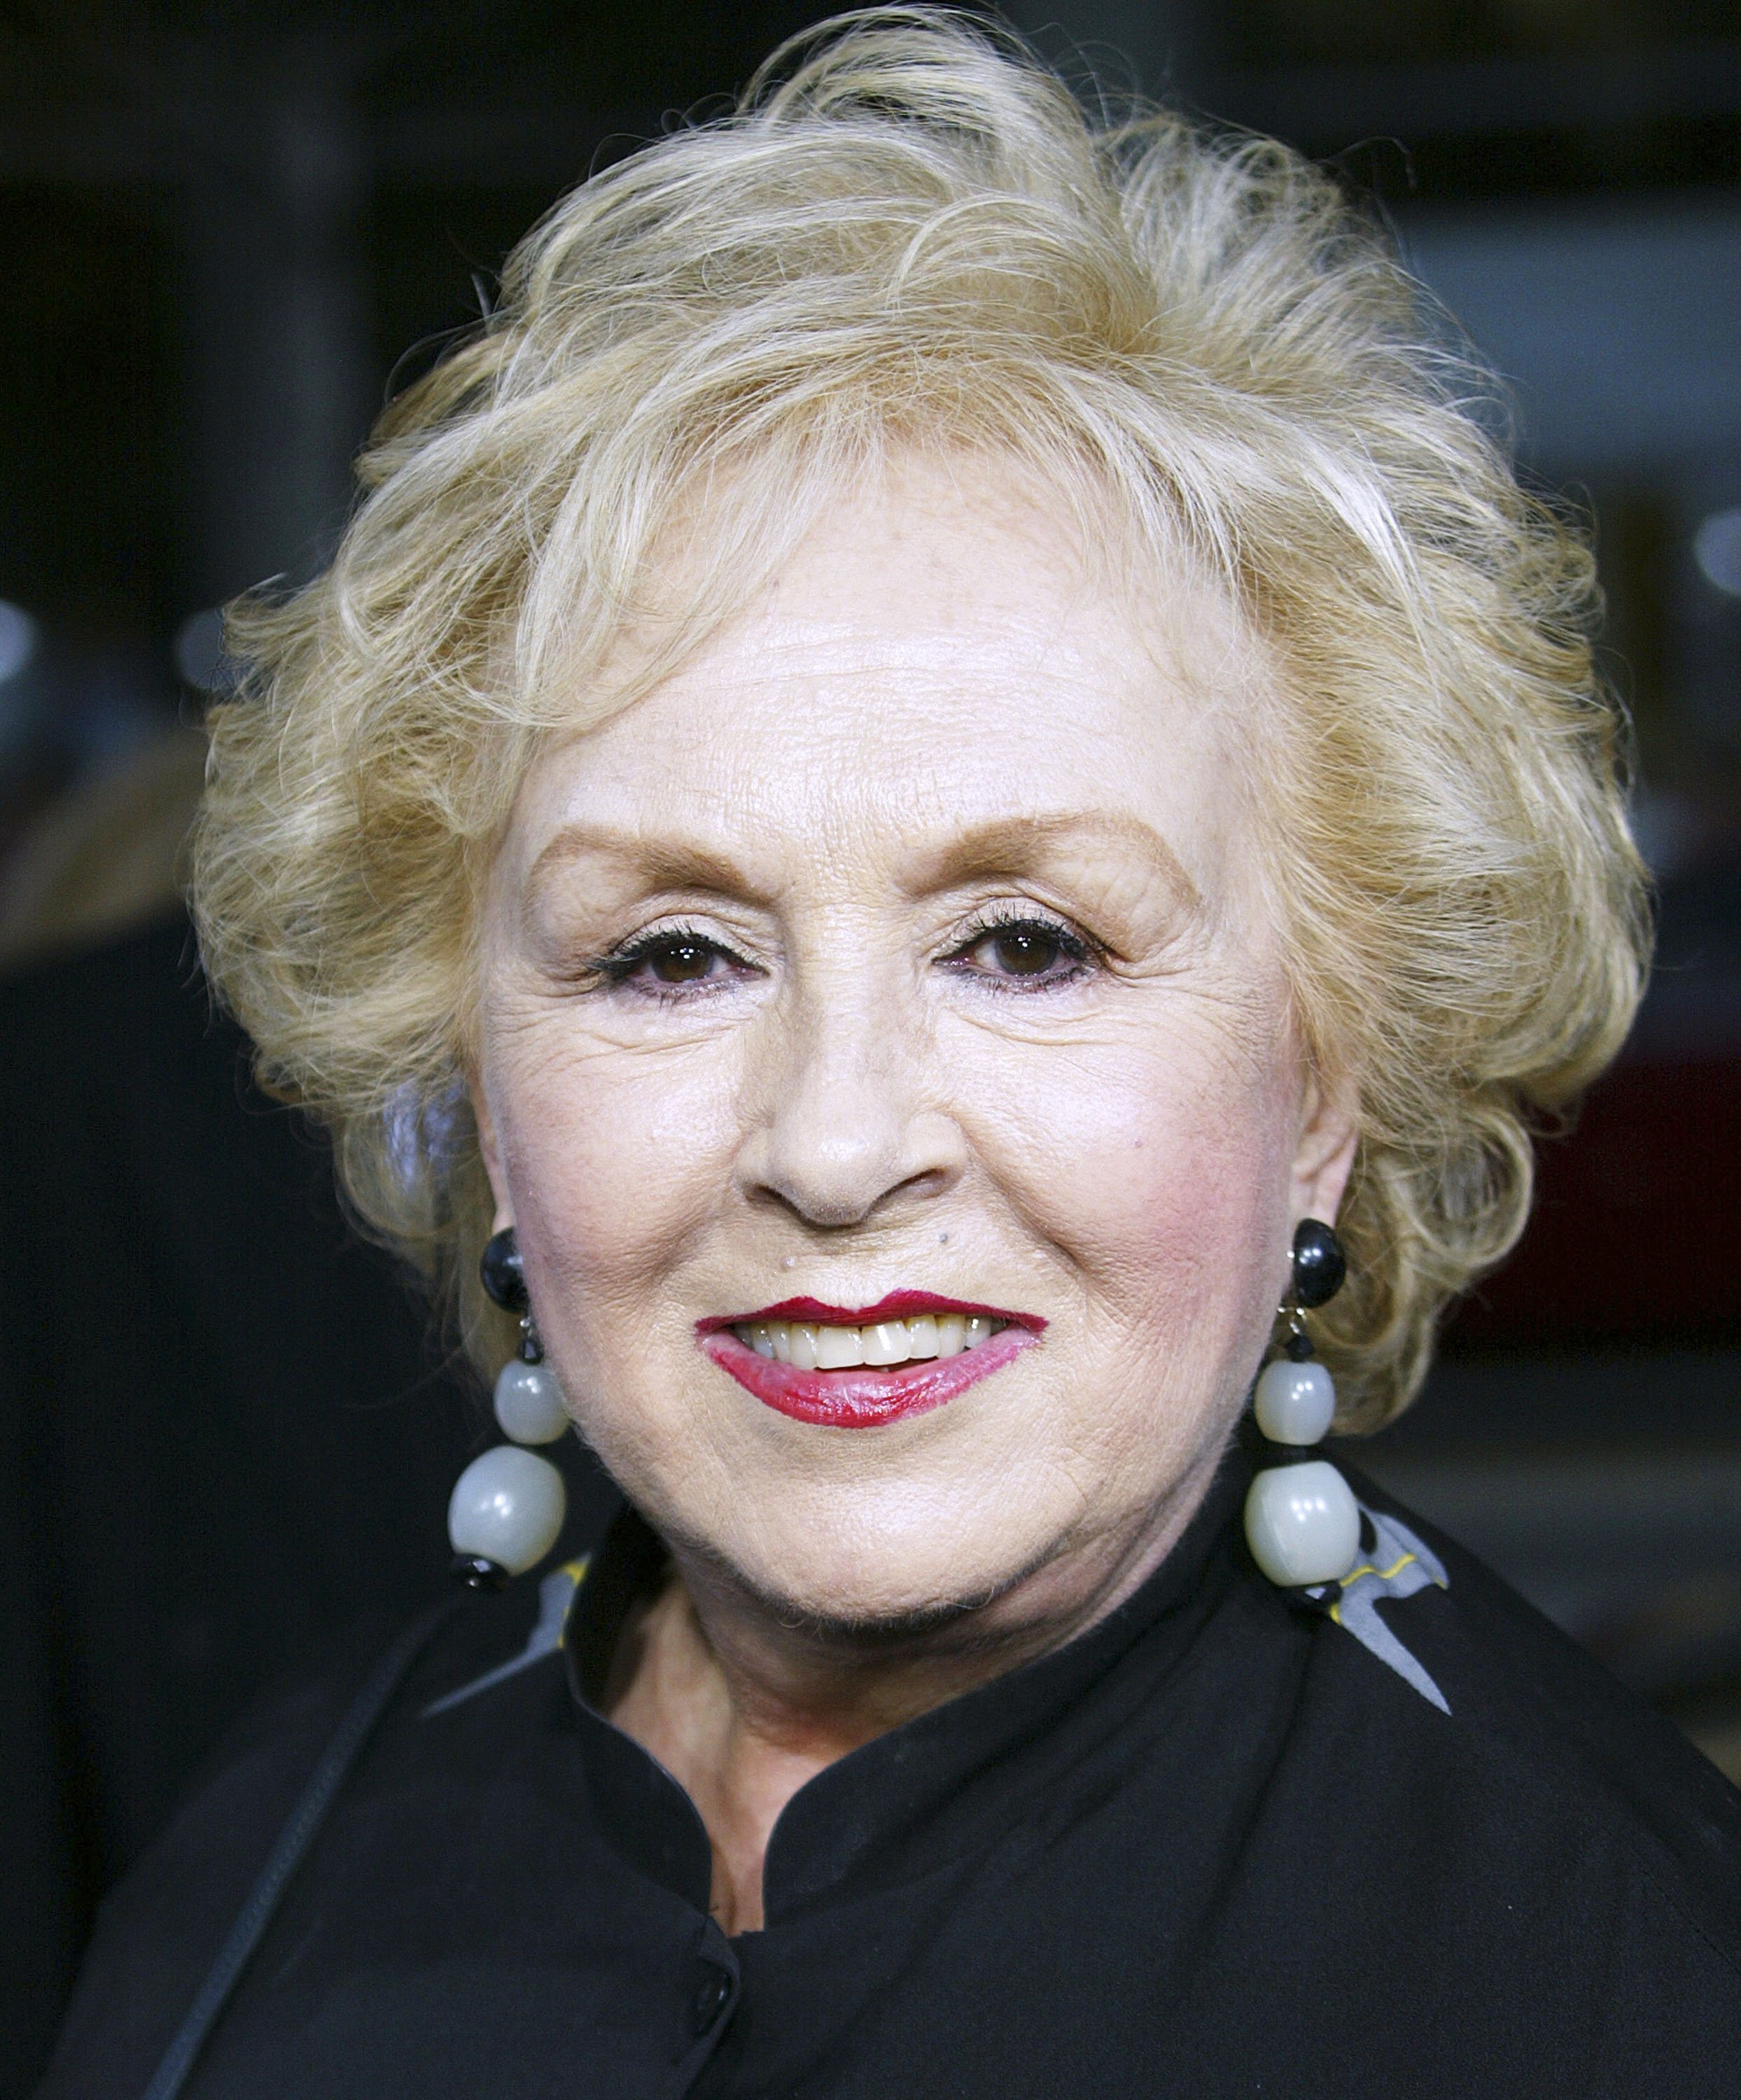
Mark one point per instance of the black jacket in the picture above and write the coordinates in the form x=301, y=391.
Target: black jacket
x=224, y=1435
x=1215, y=1846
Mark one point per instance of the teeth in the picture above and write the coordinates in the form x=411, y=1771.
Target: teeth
x=807, y=1348
x=886, y=1342
x=838, y=1348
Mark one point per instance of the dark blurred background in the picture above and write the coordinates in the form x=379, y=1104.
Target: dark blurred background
x=229, y=231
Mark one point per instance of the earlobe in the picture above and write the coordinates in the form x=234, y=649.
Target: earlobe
x=490, y=1150
x=1323, y=1158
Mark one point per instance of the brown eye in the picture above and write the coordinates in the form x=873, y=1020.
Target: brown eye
x=1028, y=954
x=1022, y=951
x=673, y=959
x=681, y=962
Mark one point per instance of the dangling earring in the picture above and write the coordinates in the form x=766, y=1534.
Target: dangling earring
x=1302, y=1521
x=507, y=1507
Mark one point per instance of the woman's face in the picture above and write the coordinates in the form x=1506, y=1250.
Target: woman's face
x=906, y=954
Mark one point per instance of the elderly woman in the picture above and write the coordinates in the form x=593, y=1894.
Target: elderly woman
x=942, y=745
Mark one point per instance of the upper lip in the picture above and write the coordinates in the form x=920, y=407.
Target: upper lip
x=895, y=1305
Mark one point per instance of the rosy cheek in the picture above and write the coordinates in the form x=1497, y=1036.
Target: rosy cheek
x=1165, y=1182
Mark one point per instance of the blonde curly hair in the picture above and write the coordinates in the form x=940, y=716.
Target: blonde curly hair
x=910, y=235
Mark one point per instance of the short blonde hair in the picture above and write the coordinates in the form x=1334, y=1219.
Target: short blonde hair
x=908, y=235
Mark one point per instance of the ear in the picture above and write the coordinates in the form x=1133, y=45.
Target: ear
x=491, y=1148
x=1324, y=1154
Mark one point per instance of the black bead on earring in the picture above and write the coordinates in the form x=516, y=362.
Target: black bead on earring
x=503, y=1275
x=1302, y=1521
x=503, y=1272
x=1320, y=1268
x=508, y=1507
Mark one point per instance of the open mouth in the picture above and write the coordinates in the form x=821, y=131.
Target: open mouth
x=814, y=1346
x=846, y=1367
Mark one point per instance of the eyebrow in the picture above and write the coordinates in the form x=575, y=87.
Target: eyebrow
x=1002, y=846
x=1032, y=845
x=657, y=863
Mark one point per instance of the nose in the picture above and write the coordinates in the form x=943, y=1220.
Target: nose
x=846, y=1131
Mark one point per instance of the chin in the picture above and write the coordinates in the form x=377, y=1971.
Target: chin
x=872, y=1630
x=876, y=1589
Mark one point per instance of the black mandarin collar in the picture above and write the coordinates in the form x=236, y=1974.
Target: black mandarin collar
x=926, y=1792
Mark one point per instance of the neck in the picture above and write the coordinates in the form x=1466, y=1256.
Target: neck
x=743, y=1707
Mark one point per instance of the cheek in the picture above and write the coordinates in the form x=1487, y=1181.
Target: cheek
x=614, y=1159
x=1158, y=1167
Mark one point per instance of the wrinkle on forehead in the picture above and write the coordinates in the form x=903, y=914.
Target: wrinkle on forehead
x=1091, y=543
x=937, y=640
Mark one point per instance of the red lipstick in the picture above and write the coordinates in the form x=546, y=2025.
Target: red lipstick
x=867, y=1395
x=896, y=1305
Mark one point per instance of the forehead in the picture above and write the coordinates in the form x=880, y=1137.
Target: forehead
x=943, y=652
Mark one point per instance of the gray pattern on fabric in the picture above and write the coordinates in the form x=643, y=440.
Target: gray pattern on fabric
x=1399, y=1565
x=555, y=1596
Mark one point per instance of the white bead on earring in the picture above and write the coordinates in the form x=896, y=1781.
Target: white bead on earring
x=529, y=1403
x=1302, y=1521
x=505, y=1510
x=507, y=1507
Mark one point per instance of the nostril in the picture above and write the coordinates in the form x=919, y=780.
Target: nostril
x=846, y=1137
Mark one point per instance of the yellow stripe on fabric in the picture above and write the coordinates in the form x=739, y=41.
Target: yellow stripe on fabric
x=1383, y=1574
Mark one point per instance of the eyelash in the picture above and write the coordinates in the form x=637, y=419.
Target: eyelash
x=618, y=968
x=1072, y=945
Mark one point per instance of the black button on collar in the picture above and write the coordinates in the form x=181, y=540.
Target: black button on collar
x=712, y=1994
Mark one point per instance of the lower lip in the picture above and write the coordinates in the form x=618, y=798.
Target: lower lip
x=862, y=1398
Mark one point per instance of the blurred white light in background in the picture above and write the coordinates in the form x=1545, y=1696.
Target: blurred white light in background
x=1717, y=548
x=199, y=649
x=18, y=640
x=1669, y=829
